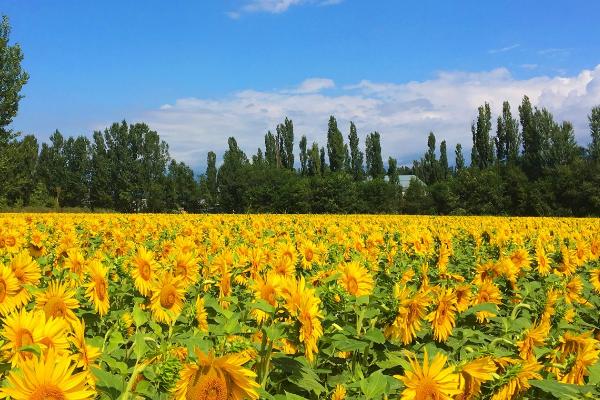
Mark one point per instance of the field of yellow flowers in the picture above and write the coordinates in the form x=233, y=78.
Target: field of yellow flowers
x=298, y=307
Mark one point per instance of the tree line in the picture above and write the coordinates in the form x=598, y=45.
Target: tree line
x=526, y=164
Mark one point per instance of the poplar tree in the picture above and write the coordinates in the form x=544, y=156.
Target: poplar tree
x=335, y=146
x=355, y=154
x=594, y=121
x=373, y=153
x=459, y=158
x=303, y=156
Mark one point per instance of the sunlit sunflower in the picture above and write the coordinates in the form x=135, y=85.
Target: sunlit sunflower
x=311, y=330
x=266, y=289
x=488, y=293
x=585, y=358
x=58, y=300
x=96, y=290
x=86, y=354
x=27, y=272
x=430, y=381
x=411, y=312
x=144, y=269
x=75, y=261
x=22, y=328
x=533, y=337
x=543, y=263
x=520, y=374
x=339, y=393
x=201, y=315
x=55, y=335
x=443, y=317
x=185, y=267
x=472, y=374
x=463, y=297
x=595, y=279
x=573, y=290
x=49, y=377
x=355, y=279
x=168, y=294
x=9, y=286
x=212, y=378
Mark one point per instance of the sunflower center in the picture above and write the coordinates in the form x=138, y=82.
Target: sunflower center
x=168, y=295
x=55, y=307
x=145, y=270
x=10, y=241
x=2, y=290
x=309, y=255
x=352, y=285
x=427, y=390
x=24, y=338
x=207, y=388
x=47, y=392
x=100, y=288
x=19, y=274
x=181, y=269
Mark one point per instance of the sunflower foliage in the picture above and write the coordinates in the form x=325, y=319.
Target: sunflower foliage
x=298, y=307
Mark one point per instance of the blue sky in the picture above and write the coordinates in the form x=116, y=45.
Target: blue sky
x=200, y=71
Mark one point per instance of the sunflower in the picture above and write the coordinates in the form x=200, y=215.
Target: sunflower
x=595, y=279
x=22, y=328
x=443, y=318
x=55, y=335
x=9, y=286
x=144, y=269
x=201, y=315
x=311, y=330
x=519, y=381
x=533, y=337
x=411, y=312
x=356, y=279
x=75, y=261
x=430, y=381
x=27, y=272
x=266, y=289
x=339, y=393
x=573, y=291
x=186, y=267
x=585, y=358
x=217, y=378
x=463, y=297
x=49, y=377
x=96, y=290
x=58, y=300
x=168, y=294
x=488, y=293
x=472, y=374
x=87, y=354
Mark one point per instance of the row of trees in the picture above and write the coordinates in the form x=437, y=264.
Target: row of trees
x=530, y=166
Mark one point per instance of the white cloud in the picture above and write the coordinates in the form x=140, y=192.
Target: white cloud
x=275, y=6
x=403, y=113
x=504, y=49
x=529, y=66
x=314, y=85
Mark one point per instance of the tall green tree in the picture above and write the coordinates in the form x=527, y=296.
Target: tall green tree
x=231, y=179
x=323, y=161
x=211, y=177
x=482, y=153
x=100, y=174
x=373, y=152
x=594, y=121
x=314, y=161
x=444, y=167
x=285, y=144
x=535, y=126
x=508, y=138
x=53, y=166
x=562, y=148
x=335, y=146
x=356, y=156
x=77, y=174
x=303, y=156
x=271, y=156
x=12, y=80
x=392, y=172
x=459, y=157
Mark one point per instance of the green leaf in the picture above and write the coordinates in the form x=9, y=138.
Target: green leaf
x=264, y=306
x=32, y=348
x=375, y=335
x=557, y=389
x=344, y=343
x=292, y=396
x=489, y=307
x=373, y=386
x=140, y=317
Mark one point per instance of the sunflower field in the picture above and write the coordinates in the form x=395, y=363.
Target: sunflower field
x=221, y=307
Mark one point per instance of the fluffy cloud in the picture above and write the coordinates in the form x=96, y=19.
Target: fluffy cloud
x=276, y=6
x=403, y=113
